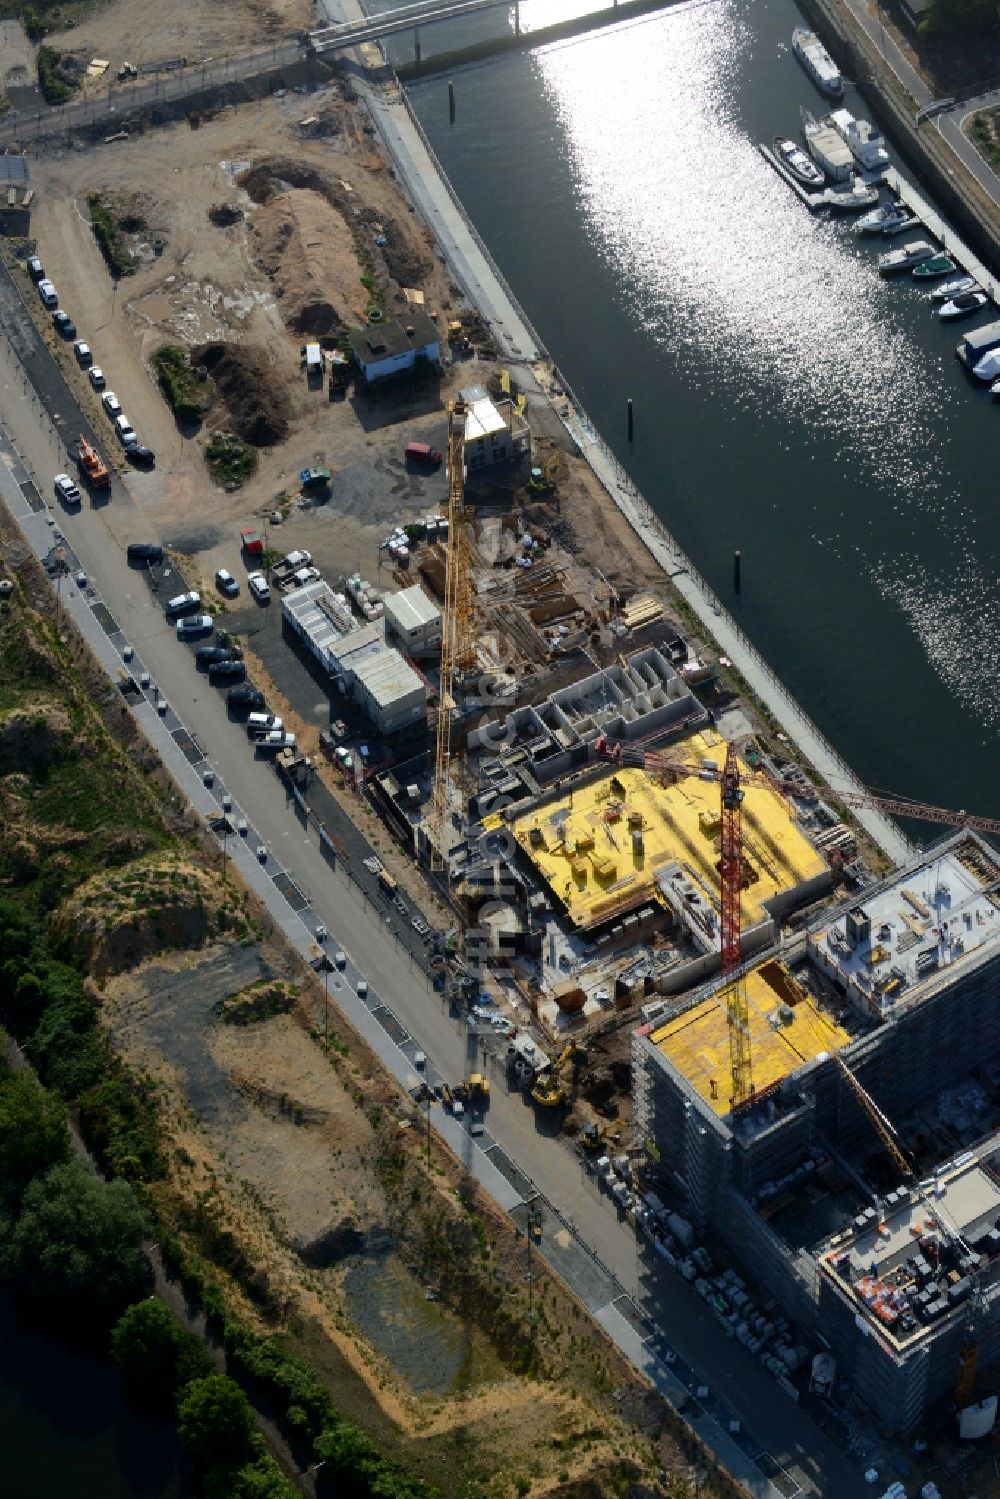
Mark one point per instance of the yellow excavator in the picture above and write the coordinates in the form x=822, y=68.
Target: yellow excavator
x=475, y=1089
x=550, y=1089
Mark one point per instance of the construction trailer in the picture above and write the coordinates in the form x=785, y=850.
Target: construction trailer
x=905, y=987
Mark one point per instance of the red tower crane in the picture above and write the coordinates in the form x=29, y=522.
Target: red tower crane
x=669, y=767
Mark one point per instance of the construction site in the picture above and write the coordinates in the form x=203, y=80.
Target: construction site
x=844, y=1150
x=815, y=1085
x=604, y=832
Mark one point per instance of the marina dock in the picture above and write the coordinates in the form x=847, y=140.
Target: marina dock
x=932, y=221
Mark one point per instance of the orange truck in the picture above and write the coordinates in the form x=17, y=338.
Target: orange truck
x=92, y=465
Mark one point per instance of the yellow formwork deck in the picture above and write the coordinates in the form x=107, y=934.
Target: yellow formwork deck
x=697, y=1042
x=583, y=845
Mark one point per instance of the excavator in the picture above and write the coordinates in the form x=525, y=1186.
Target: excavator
x=543, y=480
x=550, y=1087
x=475, y=1089
x=92, y=465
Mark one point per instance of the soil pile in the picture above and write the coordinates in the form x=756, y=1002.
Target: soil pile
x=404, y=262
x=307, y=250
x=116, y=921
x=256, y=402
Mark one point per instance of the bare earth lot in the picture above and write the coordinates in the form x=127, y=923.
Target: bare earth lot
x=206, y=285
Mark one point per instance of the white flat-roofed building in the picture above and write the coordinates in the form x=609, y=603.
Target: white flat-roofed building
x=494, y=431
x=320, y=618
x=379, y=680
x=413, y=619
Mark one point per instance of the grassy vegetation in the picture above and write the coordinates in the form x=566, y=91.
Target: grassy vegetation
x=187, y=396
x=78, y=804
x=983, y=134
x=229, y=460
x=56, y=88
x=108, y=235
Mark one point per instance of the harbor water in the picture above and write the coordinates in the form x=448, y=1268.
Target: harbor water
x=788, y=401
x=68, y=1431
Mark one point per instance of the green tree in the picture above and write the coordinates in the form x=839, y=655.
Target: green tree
x=78, y=1236
x=33, y=1134
x=960, y=16
x=262, y=1479
x=156, y=1355
x=351, y=1458
x=215, y=1423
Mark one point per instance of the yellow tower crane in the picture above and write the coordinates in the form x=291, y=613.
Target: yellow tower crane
x=458, y=644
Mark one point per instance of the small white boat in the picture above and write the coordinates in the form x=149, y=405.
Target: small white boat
x=906, y=221
x=964, y=305
x=795, y=160
x=817, y=62
x=995, y=388
x=884, y=219
x=949, y=289
x=906, y=257
x=851, y=199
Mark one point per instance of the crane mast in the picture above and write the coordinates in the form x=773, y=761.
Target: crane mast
x=731, y=880
x=458, y=646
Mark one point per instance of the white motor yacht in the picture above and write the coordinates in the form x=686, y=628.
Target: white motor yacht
x=817, y=62
x=884, y=219
x=905, y=257
x=955, y=288
x=964, y=305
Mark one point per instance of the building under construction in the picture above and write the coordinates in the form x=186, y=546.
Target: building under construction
x=859, y=1181
x=623, y=840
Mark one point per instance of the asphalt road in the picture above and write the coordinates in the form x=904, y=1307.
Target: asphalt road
x=98, y=536
x=948, y=124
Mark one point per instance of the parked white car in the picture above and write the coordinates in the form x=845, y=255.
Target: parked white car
x=66, y=489
x=258, y=586
x=111, y=404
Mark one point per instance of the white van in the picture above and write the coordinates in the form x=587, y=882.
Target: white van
x=258, y=721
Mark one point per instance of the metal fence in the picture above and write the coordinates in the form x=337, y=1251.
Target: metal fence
x=120, y=100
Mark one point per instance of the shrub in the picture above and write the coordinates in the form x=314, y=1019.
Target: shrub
x=119, y=1123
x=229, y=460
x=55, y=90
x=33, y=1134
x=106, y=232
x=182, y=391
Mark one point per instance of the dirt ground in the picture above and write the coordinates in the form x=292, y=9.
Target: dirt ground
x=207, y=284
x=289, y=260
x=274, y=1143
x=142, y=31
